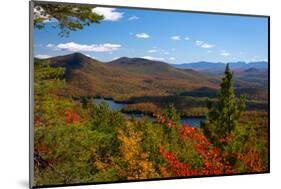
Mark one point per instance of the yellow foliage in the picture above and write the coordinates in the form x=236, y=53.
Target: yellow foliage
x=137, y=163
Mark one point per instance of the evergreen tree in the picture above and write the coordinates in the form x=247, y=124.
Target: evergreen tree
x=85, y=102
x=67, y=17
x=223, y=117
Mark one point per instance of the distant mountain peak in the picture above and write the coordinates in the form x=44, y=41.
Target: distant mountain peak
x=73, y=60
x=219, y=66
x=252, y=70
x=78, y=55
x=135, y=61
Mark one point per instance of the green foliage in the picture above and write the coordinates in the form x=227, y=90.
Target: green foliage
x=69, y=151
x=46, y=80
x=67, y=17
x=85, y=102
x=72, y=153
x=224, y=115
x=183, y=149
x=172, y=114
x=106, y=120
x=153, y=135
x=107, y=175
x=246, y=139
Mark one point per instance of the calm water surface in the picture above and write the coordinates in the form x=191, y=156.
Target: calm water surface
x=192, y=121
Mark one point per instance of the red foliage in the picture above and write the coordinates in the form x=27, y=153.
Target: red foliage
x=226, y=140
x=178, y=168
x=212, y=157
x=38, y=121
x=71, y=116
x=165, y=121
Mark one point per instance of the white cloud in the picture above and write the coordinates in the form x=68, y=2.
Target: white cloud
x=173, y=49
x=109, y=14
x=166, y=53
x=115, y=58
x=133, y=18
x=176, y=37
x=204, y=45
x=50, y=45
x=172, y=58
x=39, y=12
x=90, y=56
x=74, y=47
x=153, y=58
x=42, y=56
x=187, y=38
x=142, y=35
x=224, y=53
x=207, y=46
x=52, y=20
x=199, y=43
x=153, y=51
x=258, y=60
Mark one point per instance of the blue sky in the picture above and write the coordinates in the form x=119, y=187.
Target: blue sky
x=173, y=37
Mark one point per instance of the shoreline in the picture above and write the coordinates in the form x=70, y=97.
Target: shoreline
x=127, y=102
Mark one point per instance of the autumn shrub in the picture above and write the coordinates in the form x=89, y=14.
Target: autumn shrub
x=152, y=136
x=210, y=158
x=134, y=162
x=249, y=151
x=69, y=152
x=106, y=120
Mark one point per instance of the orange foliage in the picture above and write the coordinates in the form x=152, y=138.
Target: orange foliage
x=71, y=116
x=42, y=148
x=252, y=160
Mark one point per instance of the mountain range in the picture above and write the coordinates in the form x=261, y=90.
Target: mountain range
x=126, y=78
x=218, y=67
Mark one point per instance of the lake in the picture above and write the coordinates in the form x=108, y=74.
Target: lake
x=192, y=121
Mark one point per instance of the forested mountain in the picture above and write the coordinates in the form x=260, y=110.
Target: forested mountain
x=127, y=77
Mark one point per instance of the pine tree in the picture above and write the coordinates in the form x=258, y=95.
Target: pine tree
x=223, y=117
x=68, y=17
x=85, y=102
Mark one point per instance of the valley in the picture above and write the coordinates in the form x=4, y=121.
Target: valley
x=148, y=86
